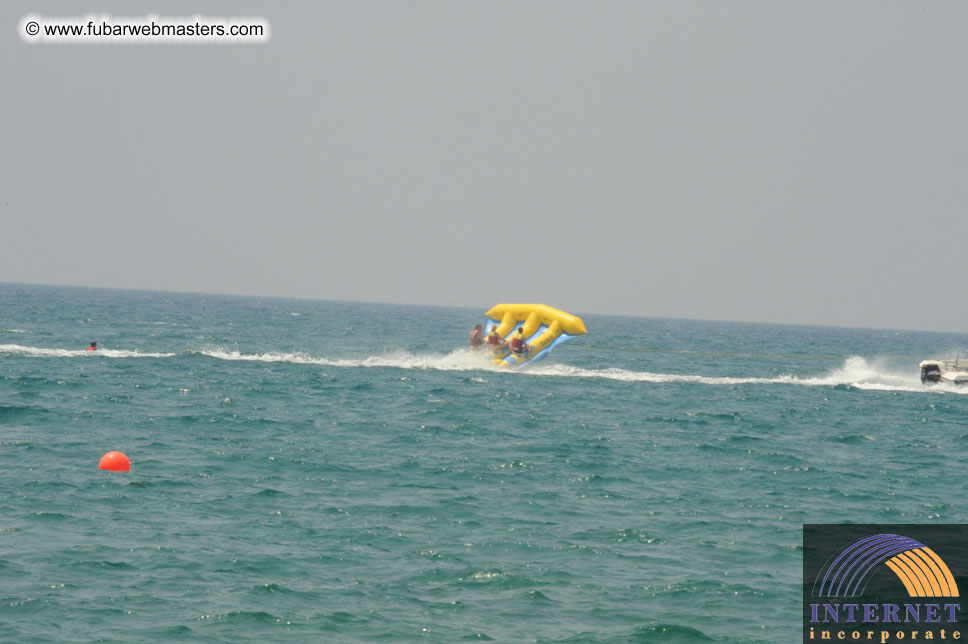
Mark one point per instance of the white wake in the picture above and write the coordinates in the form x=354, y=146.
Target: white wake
x=854, y=372
x=42, y=352
x=455, y=361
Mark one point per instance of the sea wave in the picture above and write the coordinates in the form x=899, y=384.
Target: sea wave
x=459, y=360
x=855, y=372
x=44, y=352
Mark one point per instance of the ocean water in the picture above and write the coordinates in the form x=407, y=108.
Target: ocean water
x=310, y=471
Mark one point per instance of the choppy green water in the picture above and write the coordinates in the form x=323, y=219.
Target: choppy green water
x=322, y=471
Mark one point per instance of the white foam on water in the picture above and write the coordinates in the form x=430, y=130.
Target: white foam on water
x=612, y=373
x=854, y=372
x=459, y=360
x=43, y=352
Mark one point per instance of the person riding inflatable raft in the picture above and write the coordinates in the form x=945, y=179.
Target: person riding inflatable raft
x=534, y=330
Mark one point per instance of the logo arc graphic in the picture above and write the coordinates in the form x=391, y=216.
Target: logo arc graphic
x=922, y=572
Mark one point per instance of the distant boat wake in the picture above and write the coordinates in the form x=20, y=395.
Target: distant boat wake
x=855, y=372
x=455, y=361
x=44, y=352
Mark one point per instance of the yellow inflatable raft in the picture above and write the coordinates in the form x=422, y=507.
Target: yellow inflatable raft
x=544, y=328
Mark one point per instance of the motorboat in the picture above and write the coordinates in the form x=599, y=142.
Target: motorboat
x=951, y=371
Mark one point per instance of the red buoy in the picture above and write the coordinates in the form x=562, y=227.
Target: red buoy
x=115, y=462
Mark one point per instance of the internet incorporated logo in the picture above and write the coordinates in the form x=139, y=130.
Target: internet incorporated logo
x=910, y=593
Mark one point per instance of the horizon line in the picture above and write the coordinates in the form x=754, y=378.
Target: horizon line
x=482, y=308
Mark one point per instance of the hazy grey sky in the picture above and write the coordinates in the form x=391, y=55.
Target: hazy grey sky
x=771, y=161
